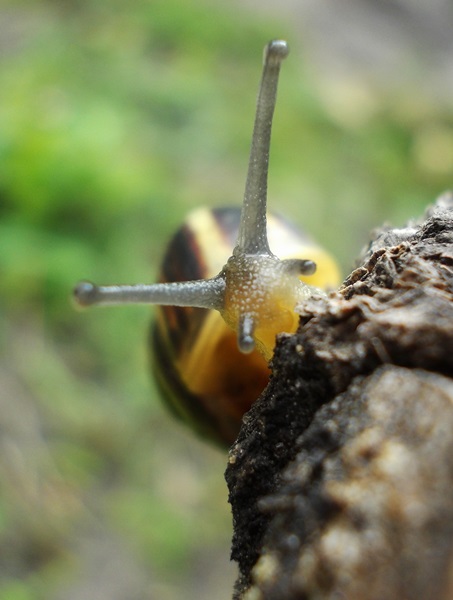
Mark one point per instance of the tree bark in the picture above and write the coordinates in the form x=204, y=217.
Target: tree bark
x=341, y=480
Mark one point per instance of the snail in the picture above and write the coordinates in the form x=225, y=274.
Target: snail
x=212, y=364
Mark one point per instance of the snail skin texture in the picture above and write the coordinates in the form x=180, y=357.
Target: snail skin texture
x=211, y=365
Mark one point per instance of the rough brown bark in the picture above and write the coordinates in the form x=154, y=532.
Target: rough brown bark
x=341, y=481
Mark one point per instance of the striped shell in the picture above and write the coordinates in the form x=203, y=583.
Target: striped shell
x=202, y=375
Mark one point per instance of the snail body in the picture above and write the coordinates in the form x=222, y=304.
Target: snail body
x=212, y=364
x=202, y=375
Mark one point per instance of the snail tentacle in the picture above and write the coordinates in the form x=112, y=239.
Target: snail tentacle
x=246, y=329
x=252, y=238
x=299, y=266
x=203, y=293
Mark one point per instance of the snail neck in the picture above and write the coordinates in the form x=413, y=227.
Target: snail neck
x=261, y=293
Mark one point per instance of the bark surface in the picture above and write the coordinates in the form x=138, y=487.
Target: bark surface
x=341, y=480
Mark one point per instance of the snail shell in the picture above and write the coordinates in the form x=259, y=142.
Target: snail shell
x=204, y=378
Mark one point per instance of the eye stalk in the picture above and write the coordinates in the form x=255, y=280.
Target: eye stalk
x=252, y=238
x=202, y=293
x=255, y=292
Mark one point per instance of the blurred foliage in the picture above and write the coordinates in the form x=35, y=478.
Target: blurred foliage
x=115, y=119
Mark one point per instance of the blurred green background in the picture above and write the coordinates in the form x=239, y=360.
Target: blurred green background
x=116, y=118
